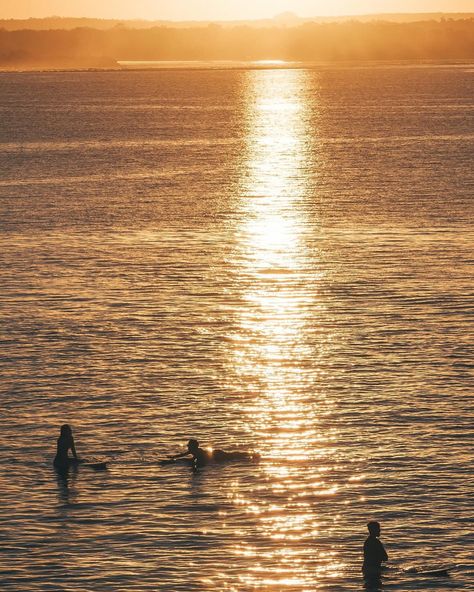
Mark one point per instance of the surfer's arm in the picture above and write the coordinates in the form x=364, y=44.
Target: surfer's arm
x=382, y=553
x=73, y=448
x=181, y=455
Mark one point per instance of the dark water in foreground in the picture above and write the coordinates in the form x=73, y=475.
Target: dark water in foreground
x=276, y=260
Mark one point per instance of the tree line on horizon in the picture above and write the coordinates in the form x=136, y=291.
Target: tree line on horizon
x=350, y=40
x=284, y=19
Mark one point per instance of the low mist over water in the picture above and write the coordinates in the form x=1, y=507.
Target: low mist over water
x=277, y=261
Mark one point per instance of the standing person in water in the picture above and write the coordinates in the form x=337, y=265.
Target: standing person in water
x=62, y=461
x=374, y=554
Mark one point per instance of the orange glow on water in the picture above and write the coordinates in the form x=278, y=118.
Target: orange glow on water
x=268, y=357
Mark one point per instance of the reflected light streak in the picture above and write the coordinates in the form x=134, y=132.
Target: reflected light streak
x=275, y=261
x=272, y=358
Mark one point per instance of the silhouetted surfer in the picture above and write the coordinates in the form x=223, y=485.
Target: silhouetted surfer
x=62, y=461
x=202, y=457
x=374, y=555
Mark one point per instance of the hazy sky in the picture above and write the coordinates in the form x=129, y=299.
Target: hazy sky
x=219, y=9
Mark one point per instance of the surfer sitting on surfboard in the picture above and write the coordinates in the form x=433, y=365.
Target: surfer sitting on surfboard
x=374, y=552
x=62, y=461
x=202, y=457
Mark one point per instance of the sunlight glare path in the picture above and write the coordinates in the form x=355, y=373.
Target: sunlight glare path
x=272, y=358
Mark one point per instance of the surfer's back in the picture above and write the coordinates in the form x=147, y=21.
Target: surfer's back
x=374, y=551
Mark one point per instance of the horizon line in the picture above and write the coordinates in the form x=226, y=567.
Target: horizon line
x=289, y=15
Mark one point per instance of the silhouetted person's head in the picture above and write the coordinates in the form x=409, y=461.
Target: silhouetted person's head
x=66, y=430
x=193, y=445
x=374, y=528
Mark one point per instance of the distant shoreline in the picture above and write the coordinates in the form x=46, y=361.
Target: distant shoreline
x=223, y=65
x=236, y=47
x=287, y=19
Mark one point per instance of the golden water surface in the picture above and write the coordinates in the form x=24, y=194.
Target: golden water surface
x=271, y=260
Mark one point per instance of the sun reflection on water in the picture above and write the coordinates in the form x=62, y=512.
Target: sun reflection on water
x=272, y=358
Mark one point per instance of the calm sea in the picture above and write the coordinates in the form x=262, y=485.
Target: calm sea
x=271, y=260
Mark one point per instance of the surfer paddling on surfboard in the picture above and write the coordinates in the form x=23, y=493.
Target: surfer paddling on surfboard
x=202, y=457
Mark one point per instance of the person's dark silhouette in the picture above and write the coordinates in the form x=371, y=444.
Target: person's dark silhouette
x=201, y=457
x=374, y=556
x=62, y=460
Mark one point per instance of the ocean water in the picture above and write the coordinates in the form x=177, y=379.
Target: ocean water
x=268, y=260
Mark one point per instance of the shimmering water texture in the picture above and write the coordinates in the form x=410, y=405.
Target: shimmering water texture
x=269, y=260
